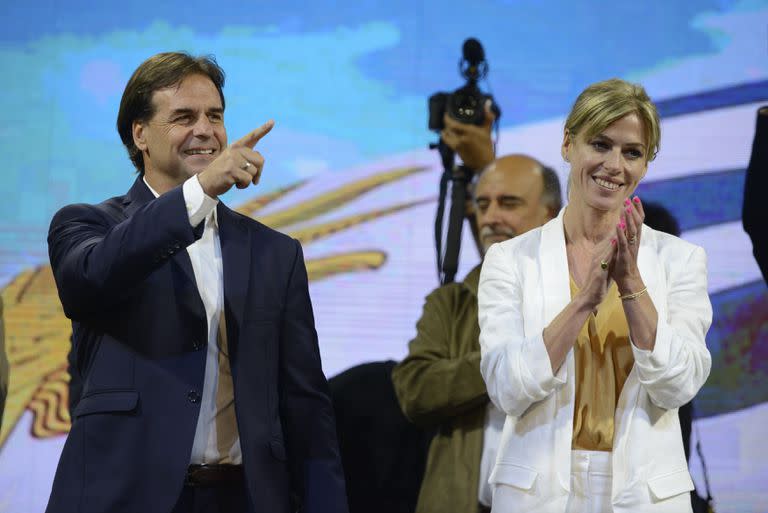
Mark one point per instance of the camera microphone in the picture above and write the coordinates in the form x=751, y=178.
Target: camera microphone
x=473, y=51
x=472, y=65
x=465, y=105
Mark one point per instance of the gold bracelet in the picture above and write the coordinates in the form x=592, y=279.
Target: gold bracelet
x=633, y=295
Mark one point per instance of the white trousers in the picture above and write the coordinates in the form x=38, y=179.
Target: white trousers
x=591, y=478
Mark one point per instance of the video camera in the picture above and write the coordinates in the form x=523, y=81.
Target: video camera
x=467, y=103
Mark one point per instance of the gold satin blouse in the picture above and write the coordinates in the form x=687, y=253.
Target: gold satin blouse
x=603, y=362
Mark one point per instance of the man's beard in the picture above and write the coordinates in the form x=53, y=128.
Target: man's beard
x=489, y=231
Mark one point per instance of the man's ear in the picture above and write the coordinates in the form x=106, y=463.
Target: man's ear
x=139, y=136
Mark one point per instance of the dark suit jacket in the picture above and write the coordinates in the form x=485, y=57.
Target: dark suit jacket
x=755, y=208
x=139, y=338
x=383, y=453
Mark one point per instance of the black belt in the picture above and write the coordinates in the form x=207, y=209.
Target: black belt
x=213, y=475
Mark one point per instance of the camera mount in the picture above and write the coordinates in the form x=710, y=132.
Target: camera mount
x=466, y=105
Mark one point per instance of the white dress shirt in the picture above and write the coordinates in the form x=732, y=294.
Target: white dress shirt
x=205, y=255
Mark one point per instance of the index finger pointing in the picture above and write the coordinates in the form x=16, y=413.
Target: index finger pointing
x=251, y=138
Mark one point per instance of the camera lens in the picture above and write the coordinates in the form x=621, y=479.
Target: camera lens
x=465, y=106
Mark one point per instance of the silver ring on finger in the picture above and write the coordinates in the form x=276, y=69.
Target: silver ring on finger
x=632, y=239
x=245, y=165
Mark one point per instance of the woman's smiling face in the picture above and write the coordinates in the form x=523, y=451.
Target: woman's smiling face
x=606, y=168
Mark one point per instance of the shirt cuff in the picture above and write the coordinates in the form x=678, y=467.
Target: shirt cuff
x=199, y=204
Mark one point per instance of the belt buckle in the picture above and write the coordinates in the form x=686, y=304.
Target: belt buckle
x=193, y=471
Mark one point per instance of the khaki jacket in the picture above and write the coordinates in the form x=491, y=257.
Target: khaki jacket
x=439, y=385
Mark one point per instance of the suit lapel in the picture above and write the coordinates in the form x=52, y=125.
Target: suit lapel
x=554, y=268
x=557, y=294
x=648, y=265
x=188, y=296
x=138, y=196
x=182, y=274
x=235, y=238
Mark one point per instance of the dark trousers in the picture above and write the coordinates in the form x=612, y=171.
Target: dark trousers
x=223, y=498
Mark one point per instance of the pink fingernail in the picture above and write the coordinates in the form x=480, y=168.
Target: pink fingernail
x=629, y=209
x=622, y=225
x=613, y=242
x=626, y=201
x=637, y=200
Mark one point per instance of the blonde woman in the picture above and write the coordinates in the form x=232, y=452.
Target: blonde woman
x=592, y=331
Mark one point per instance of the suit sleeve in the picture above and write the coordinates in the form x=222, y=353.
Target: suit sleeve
x=432, y=386
x=755, y=208
x=98, y=259
x=515, y=365
x=679, y=364
x=306, y=409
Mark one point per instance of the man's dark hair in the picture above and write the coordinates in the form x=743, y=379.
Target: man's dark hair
x=158, y=72
x=551, y=195
x=661, y=219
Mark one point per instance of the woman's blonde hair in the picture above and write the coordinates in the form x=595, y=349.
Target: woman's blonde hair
x=604, y=102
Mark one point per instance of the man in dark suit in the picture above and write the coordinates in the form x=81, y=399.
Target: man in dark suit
x=755, y=208
x=193, y=331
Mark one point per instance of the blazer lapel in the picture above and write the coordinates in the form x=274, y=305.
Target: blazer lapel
x=138, y=196
x=554, y=268
x=183, y=277
x=557, y=294
x=235, y=238
x=648, y=265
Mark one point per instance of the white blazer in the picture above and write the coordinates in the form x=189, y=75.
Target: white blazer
x=524, y=284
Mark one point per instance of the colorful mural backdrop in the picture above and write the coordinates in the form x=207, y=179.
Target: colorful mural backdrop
x=350, y=175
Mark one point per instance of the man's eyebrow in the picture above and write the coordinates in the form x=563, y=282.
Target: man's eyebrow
x=187, y=110
x=502, y=197
x=181, y=111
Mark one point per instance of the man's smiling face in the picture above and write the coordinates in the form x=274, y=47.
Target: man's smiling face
x=185, y=133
